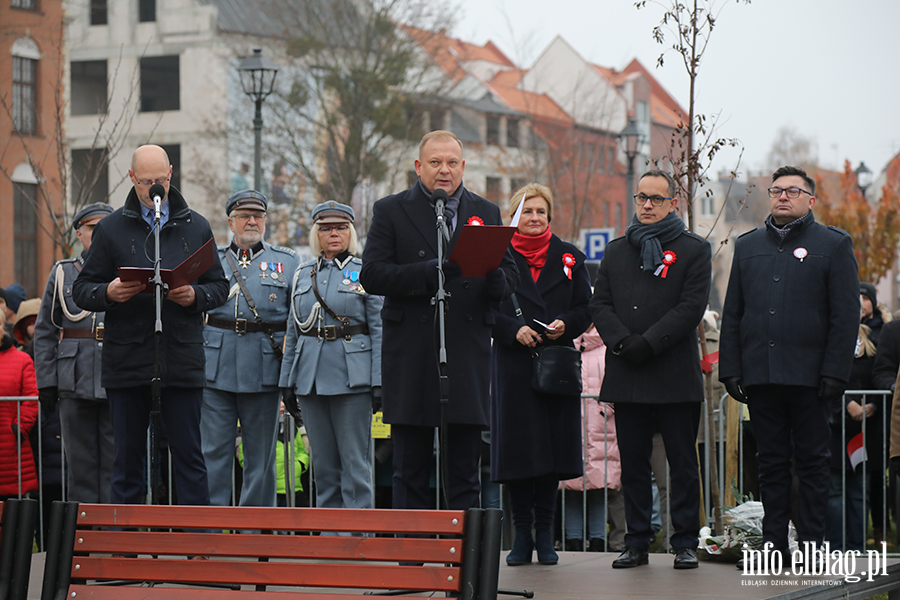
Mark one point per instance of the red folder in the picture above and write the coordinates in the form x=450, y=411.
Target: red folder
x=480, y=248
x=187, y=272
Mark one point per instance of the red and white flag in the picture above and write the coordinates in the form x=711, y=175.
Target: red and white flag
x=856, y=450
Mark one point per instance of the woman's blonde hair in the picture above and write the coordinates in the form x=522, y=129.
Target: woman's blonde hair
x=316, y=249
x=866, y=347
x=532, y=190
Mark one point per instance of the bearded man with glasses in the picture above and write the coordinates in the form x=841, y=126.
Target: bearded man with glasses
x=650, y=294
x=243, y=339
x=789, y=328
x=125, y=239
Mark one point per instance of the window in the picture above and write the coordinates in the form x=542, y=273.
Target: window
x=492, y=189
x=89, y=93
x=512, y=133
x=708, y=206
x=174, y=152
x=25, y=235
x=436, y=119
x=611, y=160
x=516, y=184
x=159, y=83
x=146, y=11
x=601, y=159
x=493, y=131
x=90, y=176
x=24, y=94
x=618, y=224
x=606, y=222
x=99, y=12
x=26, y=4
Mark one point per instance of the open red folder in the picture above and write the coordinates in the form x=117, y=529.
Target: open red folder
x=187, y=272
x=480, y=248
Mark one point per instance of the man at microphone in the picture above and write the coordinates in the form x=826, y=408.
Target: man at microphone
x=126, y=239
x=400, y=263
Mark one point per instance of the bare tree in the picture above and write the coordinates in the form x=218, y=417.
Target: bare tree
x=791, y=147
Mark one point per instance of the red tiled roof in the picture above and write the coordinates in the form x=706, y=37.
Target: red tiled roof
x=659, y=92
x=448, y=52
x=539, y=106
x=508, y=77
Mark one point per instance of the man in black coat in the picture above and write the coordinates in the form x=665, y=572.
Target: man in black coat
x=650, y=294
x=400, y=263
x=125, y=239
x=789, y=328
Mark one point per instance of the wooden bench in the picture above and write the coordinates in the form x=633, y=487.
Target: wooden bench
x=17, y=519
x=94, y=543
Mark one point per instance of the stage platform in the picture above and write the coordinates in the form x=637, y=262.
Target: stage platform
x=589, y=576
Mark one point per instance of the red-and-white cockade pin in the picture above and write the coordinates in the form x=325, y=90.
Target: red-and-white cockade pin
x=568, y=263
x=475, y=220
x=669, y=258
x=800, y=253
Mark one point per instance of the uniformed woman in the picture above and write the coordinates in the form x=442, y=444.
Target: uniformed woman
x=331, y=369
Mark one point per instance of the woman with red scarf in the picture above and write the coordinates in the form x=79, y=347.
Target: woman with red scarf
x=535, y=437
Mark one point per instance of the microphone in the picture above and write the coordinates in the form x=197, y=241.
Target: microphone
x=157, y=192
x=440, y=200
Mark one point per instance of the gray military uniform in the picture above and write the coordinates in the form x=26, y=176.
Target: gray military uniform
x=242, y=370
x=67, y=356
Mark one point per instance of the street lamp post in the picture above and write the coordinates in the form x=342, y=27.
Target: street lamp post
x=257, y=80
x=631, y=136
x=864, y=177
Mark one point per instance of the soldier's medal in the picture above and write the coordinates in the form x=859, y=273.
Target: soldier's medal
x=346, y=282
x=275, y=275
x=245, y=259
x=354, y=276
x=273, y=297
x=263, y=266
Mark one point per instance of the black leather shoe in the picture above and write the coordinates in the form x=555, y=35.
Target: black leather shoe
x=632, y=557
x=686, y=558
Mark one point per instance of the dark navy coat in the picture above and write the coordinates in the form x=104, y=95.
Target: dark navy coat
x=665, y=310
x=534, y=434
x=123, y=239
x=400, y=242
x=788, y=321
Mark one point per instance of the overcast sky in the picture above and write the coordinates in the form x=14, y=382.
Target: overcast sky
x=828, y=68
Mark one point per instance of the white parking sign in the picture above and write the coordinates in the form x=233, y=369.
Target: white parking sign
x=594, y=241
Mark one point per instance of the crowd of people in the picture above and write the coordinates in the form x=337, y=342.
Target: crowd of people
x=342, y=336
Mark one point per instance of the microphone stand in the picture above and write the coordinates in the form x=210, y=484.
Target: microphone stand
x=441, y=299
x=160, y=290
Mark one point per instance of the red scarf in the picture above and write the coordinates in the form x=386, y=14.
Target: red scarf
x=533, y=249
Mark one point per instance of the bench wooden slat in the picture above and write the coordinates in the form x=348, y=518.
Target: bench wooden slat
x=380, y=576
x=273, y=546
x=99, y=592
x=445, y=522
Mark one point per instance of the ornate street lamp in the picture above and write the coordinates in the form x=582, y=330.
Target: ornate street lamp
x=864, y=177
x=257, y=80
x=631, y=137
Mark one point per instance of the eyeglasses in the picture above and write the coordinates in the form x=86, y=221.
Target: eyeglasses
x=326, y=229
x=791, y=192
x=641, y=199
x=150, y=182
x=243, y=217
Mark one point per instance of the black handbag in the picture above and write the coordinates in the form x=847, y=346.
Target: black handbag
x=557, y=369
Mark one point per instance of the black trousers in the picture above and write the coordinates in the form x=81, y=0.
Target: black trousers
x=414, y=461
x=678, y=424
x=791, y=420
x=180, y=411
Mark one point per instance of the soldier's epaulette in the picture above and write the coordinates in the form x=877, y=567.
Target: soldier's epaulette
x=67, y=260
x=748, y=232
x=307, y=262
x=224, y=248
x=284, y=249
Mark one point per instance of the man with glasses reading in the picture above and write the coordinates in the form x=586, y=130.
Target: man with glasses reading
x=789, y=327
x=243, y=342
x=125, y=239
x=650, y=294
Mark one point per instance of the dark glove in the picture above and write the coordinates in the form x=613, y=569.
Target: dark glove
x=16, y=432
x=636, y=349
x=290, y=404
x=733, y=386
x=451, y=271
x=495, y=284
x=376, y=398
x=48, y=397
x=831, y=389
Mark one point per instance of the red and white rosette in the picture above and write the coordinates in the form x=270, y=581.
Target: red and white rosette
x=568, y=263
x=669, y=258
x=475, y=220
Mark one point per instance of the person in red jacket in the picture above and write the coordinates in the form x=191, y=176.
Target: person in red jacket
x=16, y=379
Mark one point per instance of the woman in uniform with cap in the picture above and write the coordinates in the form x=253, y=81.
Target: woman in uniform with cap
x=331, y=369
